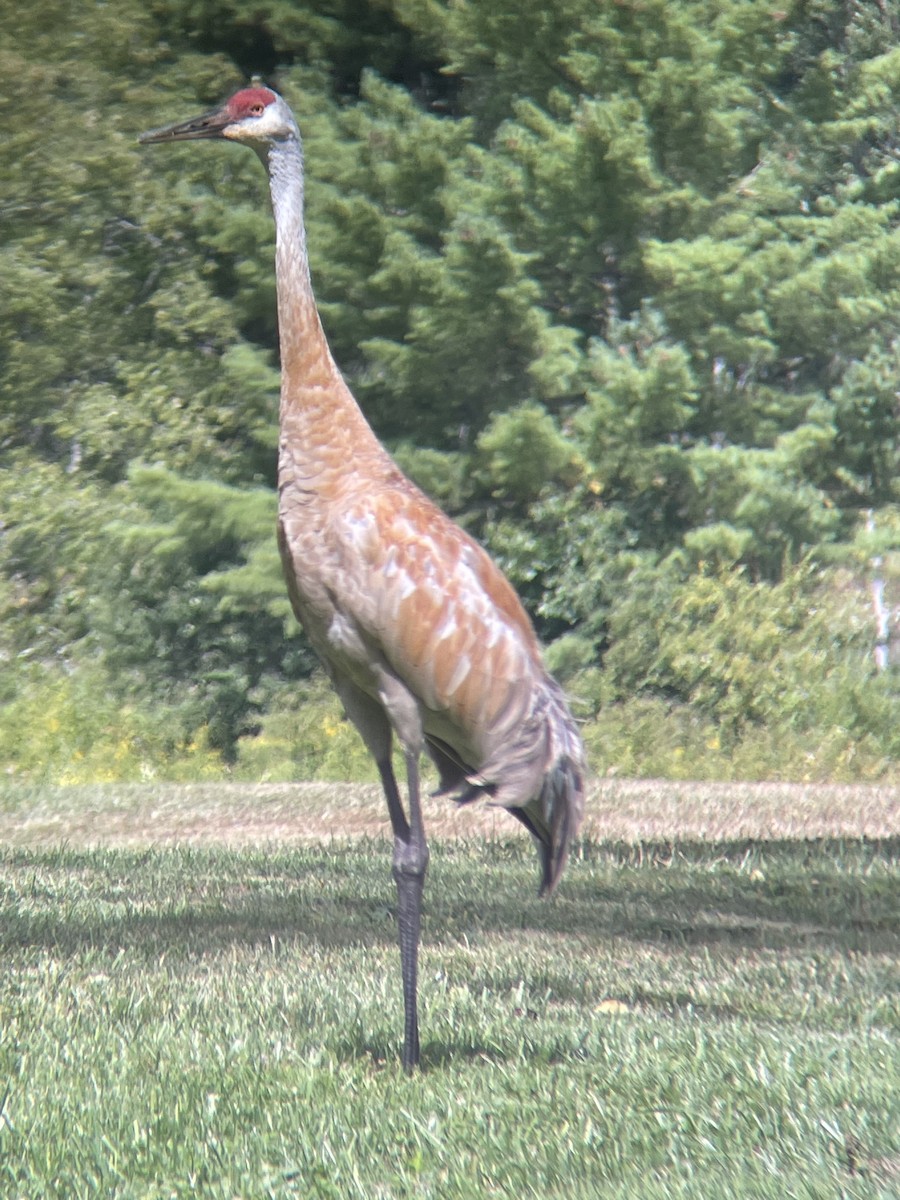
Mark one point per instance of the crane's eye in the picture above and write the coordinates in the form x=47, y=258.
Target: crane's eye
x=257, y=110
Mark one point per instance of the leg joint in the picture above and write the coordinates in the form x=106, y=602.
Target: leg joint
x=410, y=860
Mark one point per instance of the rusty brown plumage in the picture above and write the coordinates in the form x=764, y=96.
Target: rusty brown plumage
x=423, y=636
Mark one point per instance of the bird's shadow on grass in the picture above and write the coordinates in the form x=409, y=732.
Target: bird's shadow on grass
x=773, y=895
x=776, y=895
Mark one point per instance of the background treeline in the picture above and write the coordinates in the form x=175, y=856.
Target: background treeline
x=619, y=285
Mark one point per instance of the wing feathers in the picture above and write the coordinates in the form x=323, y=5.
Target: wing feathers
x=445, y=621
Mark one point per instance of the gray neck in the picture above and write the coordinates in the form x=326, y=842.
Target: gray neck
x=284, y=163
x=305, y=356
x=322, y=426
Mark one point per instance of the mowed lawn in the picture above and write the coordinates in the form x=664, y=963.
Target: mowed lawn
x=200, y=997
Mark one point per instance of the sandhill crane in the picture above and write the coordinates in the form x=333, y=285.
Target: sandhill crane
x=422, y=635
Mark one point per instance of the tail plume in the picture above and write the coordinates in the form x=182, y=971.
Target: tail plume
x=554, y=815
x=536, y=770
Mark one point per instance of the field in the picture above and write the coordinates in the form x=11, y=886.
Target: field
x=200, y=998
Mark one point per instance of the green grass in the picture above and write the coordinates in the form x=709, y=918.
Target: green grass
x=682, y=1020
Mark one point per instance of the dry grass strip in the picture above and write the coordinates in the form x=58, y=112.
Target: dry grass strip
x=618, y=810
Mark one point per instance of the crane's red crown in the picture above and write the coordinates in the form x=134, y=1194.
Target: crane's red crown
x=249, y=102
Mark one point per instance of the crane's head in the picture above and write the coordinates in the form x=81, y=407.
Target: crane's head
x=256, y=115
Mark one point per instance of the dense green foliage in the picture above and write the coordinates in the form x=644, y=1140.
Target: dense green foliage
x=682, y=1021
x=617, y=283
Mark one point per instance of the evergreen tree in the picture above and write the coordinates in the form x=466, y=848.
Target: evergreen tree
x=617, y=283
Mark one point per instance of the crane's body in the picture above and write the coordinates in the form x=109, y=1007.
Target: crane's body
x=422, y=635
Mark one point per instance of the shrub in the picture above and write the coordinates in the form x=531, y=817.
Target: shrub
x=69, y=727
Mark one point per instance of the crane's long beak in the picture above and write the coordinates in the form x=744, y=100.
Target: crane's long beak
x=207, y=125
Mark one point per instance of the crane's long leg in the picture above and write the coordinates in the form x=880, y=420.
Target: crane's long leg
x=410, y=865
x=371, y=718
